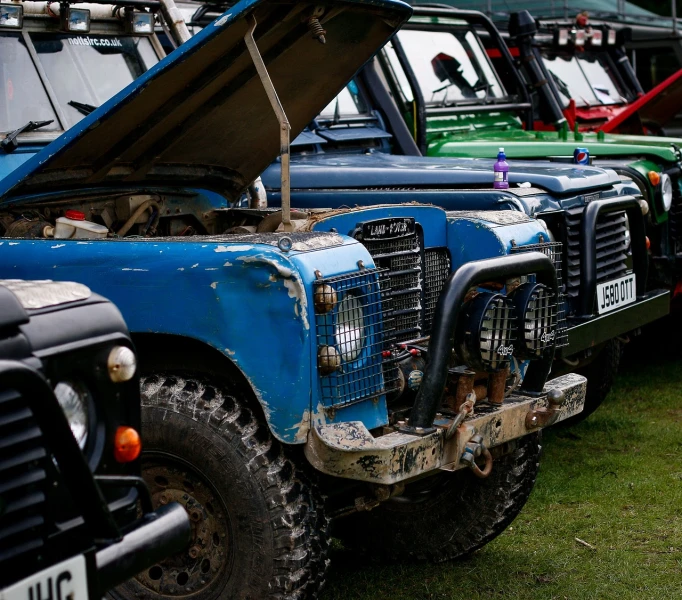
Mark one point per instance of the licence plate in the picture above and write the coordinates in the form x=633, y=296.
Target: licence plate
x=67, y=580
x=616, y=293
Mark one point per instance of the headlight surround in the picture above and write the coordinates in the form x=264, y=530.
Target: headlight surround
x=349, y=335
x=666, y=192
x=74, y=400
x=486, y=332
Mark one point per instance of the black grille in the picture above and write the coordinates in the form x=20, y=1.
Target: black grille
x=416, y=279
x=612, y=247
x=553, y=250
x=351, y=358
x=23, y=479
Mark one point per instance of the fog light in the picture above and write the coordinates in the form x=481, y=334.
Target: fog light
x=324, y=298
x=328, y=359
x=121, y=364
x=536, y=314
x=485, y=332
x=644, y=205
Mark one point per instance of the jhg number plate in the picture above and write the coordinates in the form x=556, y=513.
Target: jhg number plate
x=65, y=581
x=616, y=293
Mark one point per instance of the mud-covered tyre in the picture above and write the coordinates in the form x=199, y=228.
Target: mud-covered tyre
x=601, y=375
x=448, y=515
x=258, y=525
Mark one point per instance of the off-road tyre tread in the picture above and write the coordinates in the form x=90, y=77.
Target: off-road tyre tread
x=471, y=513
x=295, y=504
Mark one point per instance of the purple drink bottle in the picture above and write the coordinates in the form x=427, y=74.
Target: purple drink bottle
x=501, y=169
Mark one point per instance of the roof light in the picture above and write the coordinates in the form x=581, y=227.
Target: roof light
x=596, y=37
x=76, y=20
x=579, y=37
x=127, y=445
x=141, y=23
x=611, y=37
x=11, y=16
x=562, y=38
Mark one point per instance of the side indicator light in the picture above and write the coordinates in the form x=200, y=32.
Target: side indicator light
x=127, y=445
x=648, y=242
x=654, y=178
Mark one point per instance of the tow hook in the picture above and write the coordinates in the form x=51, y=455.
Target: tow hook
x=473, y=450
x=542, y=417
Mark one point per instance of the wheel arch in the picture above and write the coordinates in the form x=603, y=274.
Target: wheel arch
x=170, y=352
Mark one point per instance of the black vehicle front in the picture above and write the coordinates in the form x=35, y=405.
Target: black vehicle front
x=75, y=516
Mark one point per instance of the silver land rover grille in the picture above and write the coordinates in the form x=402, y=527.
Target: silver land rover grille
x=416, y=274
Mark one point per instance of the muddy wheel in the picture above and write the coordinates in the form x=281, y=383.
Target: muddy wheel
x=258, y=527
x=448, y=515
x=601, y=374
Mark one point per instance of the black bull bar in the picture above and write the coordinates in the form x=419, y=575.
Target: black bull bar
x=430, y=392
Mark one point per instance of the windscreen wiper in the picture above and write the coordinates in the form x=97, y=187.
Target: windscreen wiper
x=82, y=107
x=10, y=144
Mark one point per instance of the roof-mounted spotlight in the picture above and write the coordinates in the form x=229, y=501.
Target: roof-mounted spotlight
x=139, y=23
x=11, y=16
x=75, y=20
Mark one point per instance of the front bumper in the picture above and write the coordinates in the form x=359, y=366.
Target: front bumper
x=155, y=536
x=599, y=329
x=349, y=450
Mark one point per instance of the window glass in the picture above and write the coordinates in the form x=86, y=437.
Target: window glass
x=22, y=95
x=450, y=66
x=90, y=69
x=393, y=63
x=598, y=72
x=570, y=80
x=349, y=102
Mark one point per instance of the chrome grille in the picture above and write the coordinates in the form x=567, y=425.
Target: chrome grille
x=554, y=251
x=612, y=247
x=351, y=359
x=23, y=479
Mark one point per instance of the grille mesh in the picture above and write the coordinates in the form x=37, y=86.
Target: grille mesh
x=554, y=251
x=23, y=479
x=352, y=337
x=416, y=279
x=612, y=248
x=436, y=271
x=497, y=332
x=540, y=321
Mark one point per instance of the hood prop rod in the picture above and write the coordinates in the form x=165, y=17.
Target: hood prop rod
x=284, y=126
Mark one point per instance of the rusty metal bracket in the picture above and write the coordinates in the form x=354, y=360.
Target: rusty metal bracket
x=542, y=417
x=284, y=126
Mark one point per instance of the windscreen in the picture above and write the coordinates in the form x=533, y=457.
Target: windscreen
x=450, y=66
x=85, y=71
x=348, y=103
x=585, y=77
x=23, y=97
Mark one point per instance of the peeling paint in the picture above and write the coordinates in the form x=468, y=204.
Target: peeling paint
x=291, y=280
x=211, y=269
x=214, y=285
x=308, y=420
x=55, y=246
x=129, y=269
x=227, y=263
x=181, y=268
x=235, y=248
x=194, y=266
x=229, y=352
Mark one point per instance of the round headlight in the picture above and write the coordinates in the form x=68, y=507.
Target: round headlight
x=537, y=315
x=73, y=398
x=485, y=332
x=349, y=331
x=666, y=191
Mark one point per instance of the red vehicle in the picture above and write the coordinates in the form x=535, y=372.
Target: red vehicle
x=582, y=73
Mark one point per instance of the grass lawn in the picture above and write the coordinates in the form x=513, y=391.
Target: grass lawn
x=614, y=481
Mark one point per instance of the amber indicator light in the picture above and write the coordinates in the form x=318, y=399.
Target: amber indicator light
x=127, y=444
